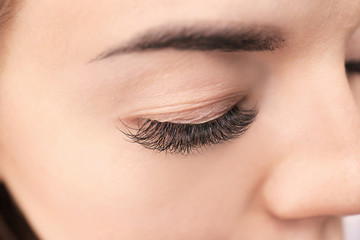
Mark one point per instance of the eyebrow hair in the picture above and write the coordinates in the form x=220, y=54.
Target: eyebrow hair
x=225, y=39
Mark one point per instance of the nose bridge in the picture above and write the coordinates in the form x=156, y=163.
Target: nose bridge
x=331, y=120
x=323, y=103
x=336, y=113
x=320, y=175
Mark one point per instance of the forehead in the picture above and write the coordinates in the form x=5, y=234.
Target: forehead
x=237, y=10
x=110, y=21
x=132, y=15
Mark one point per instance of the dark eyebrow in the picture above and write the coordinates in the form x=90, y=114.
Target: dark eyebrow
x=224, y=39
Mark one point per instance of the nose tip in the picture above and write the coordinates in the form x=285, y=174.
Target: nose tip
x=320, y=175
x=305, y=188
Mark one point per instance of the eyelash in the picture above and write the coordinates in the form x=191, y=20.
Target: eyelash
x=177, y=138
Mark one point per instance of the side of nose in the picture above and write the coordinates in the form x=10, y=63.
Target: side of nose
x=320, y=174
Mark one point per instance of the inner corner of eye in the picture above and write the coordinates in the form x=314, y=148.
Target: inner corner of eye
x=247, y=102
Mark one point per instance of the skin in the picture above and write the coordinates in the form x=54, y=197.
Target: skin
x=292, y=175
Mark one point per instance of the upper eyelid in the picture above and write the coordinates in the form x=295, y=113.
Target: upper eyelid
x=197, y=115
x=253, y=110
x=189, y=111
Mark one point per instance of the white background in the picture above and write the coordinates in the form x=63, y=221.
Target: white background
x=352, y=227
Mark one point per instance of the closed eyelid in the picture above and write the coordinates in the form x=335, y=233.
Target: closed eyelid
x=184, y=138
x=190, y=112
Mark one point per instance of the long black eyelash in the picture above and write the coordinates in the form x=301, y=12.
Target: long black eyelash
x=184, y=138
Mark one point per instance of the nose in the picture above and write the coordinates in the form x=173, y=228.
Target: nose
x=320, y=173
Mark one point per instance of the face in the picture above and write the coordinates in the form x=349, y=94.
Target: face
x=185, y=119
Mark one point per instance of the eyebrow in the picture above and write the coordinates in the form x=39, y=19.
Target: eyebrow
x=224, y=39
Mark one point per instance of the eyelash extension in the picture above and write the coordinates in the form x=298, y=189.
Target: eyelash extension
x=184, y=138
x=352, y=67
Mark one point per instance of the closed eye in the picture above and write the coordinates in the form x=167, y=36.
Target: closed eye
x=180, y=138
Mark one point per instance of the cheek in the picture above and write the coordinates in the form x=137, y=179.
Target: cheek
x=72, y=173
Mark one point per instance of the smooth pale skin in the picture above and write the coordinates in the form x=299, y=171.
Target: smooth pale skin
x=292, y=175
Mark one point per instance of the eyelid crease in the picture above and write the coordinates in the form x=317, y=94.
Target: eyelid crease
x=197, y=115
x=190, y=112
x=202, y=116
